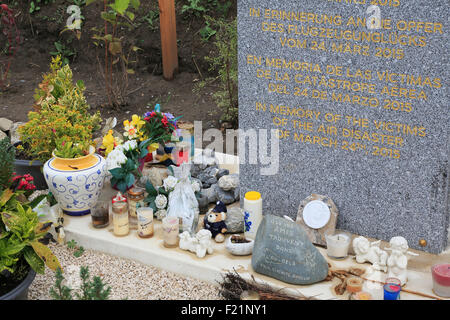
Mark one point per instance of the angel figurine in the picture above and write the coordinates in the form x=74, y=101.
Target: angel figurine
x=367, y=251
x=398, y=262
x=182, y=200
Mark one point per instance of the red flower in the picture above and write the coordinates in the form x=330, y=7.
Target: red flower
x=164, y=121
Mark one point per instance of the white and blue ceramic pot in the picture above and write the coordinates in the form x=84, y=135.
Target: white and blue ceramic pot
x=76, y=183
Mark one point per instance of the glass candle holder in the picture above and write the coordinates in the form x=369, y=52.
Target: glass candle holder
x=338, y=244
x=120, y=219
x=441, y=279
x=145, y=222
x=354, y=284
x=100, y=214
x=170, y=227
x=392, y=288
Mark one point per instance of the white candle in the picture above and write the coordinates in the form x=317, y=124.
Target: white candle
x=337, y=245
x=253, y=213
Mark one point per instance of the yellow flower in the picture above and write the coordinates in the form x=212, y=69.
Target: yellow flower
x=137, y=122
x=109, y=142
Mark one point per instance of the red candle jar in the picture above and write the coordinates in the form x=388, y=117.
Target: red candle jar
x=441, y=279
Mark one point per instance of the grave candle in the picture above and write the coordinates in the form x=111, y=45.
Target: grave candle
x=338, y=244
x=100, y=214
x=145, y=222
x=354, y=284
x=253, y=213
x=392, y=289
x=441, y=279
x=120, y=218
x=135, y=200
x=170, y=231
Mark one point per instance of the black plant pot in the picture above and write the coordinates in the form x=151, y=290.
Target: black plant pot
x=21, y=291
x=34, y=168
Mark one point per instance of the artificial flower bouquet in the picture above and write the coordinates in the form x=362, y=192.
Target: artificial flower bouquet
x=142, y=136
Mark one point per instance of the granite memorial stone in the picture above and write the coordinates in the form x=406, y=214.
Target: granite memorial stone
x=283, y=251
x=358, y=93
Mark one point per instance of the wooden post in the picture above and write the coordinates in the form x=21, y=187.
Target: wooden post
x=168, y=29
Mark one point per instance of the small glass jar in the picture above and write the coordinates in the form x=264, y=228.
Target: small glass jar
x=338, y=244
x=170, y=231
x=120, y=219
x=100, y=214
x=145, y=222
x=392, y=289
x=135, y=200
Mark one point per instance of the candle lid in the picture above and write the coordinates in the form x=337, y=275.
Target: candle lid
x=136, y=191
x=316, y=214
x=253, y=195
x=119, y=198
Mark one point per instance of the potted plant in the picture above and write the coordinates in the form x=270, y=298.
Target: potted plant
x=60, y=111
x=75, y=175
x=23, y=239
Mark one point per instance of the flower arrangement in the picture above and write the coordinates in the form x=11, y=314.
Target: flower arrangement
x=142, y=136
x=61, y=117
x=123, y=164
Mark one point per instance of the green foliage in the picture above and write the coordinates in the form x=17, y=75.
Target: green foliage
x=124, y=177
x=78, y=250
x=117, y=15
x=194, y=7
x=35, y=5
x=151, y=18
x=153, y=193
x=64, y=51
x=7, y=154
x=20, y=232
x=61, y=114
x=225, y=61
x=93, y=289
x=207, y=32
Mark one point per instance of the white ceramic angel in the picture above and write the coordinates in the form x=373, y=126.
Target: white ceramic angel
x=182, y=200
x=367, y=251
x=200, y=244
x=398, y=261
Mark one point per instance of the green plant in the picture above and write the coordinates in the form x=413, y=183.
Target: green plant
x=225, y=61
x=90, y=289
x=116, y=15
x=21, y=234
x=151, y=18
x=72, y=244
x=64, y=51
x=7, y=154
x=61, y=114
x=35, y=5
x=78, y=250
x=195, y=7
x=207, y=32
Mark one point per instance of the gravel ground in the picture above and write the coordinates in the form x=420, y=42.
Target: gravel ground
x=128, y=279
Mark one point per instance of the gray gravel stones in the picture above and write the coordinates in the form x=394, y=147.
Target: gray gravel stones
x=235, y=220
x=229, y=182
x=128, y=279
x=5, y=124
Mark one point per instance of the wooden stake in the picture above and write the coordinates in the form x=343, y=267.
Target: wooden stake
x=168, y=29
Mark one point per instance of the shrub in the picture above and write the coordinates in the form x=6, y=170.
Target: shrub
x=224, y=61
x=61, y=115
x=7, y=154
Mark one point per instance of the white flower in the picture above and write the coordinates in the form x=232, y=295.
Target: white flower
x=161, y=201
x=115, y=159
x=169, y=183
x=195, y=186
x=127, y=146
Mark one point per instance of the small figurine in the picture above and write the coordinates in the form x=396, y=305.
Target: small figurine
x=398, y=262
x=214, y=221
x=366, y=251
x=200, y=244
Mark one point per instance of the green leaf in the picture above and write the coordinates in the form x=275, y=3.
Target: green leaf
x=130, y=15
x=122, y=186
x=34, y=260
x=130, y=179
x=150, y=189
x=88, y=2
x=46, y=255
x=117, y=173
x=120, y=6
x=135, y=4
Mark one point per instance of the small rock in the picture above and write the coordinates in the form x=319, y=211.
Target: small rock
x=226, y=197
x=5, y=124
x=222, y=172
x=229, y=182
x=14, y=134
x=2, y=135
x=235, y=220
x=212, y=171
x=211, y=193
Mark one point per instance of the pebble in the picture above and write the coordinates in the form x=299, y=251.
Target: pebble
x=128, y=279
